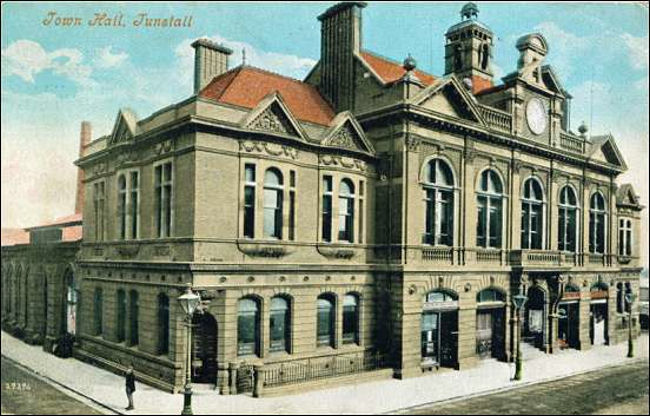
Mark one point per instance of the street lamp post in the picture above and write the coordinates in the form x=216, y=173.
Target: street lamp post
x=189, y=302
x=629, y=299
x=518, y=301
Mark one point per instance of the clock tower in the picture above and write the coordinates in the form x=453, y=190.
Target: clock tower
x=468, y=48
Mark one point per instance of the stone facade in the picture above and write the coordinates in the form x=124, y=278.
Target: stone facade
x=360, y=198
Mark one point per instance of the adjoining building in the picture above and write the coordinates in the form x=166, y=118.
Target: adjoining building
x=372, y=219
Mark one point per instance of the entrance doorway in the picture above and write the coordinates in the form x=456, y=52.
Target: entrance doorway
x=598, y=314
x=204, y=348
x=568, y=321
x=535, y=317
x=490, y=324
x=598, y=322
x=439, y=329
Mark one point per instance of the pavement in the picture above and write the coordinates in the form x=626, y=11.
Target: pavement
x=383, y=396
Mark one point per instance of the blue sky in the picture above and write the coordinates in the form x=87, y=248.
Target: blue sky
x=54, y=77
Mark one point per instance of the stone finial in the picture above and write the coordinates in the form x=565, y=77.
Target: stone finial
x=583, y=129
x=409, y=63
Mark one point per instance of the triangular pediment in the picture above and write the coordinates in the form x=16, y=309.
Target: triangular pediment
x=449, y=98
x=551, y=80
x=272, y=116
x=627, y=196
x=124, y=128
x=606, y=150
x=345, y=132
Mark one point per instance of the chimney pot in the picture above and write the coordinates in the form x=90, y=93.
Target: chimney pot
x=84, y=140
x=210, y=60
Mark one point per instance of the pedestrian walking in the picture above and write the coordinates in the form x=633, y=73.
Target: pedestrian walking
x=130, y=386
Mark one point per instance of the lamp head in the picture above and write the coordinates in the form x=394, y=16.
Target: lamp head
x=189, y=301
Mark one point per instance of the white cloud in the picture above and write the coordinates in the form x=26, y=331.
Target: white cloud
x=26, y=58
x=637, y=50
x=284, y=64
x=107, y=59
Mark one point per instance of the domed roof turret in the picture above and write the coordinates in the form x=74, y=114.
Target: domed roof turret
x=469, y=11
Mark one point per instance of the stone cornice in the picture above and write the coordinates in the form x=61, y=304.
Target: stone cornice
x=462, y=127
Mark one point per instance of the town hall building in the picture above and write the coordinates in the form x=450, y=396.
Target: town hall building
x=372, y=220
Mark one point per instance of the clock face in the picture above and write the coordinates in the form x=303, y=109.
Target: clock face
x=536, y=116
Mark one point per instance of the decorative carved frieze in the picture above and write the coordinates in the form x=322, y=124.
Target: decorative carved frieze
x=127, y=251
x=273, y=120
x=260, y=250
x=412, y=142
x=344, y=137
x=161, y=250
x=273, y=149
x=165, y=146
x=346, y=162
x=335, y=252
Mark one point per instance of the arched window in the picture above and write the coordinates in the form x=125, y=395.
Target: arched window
x=458, y=61
x=134, y=311
x=490, y=210
x=71, y=303
x=121, y=315
x=280, y=324
x=325, y=321
x=625, y=237
x=249, y=200
x=121, y=205
x=351, y=319
x=628, y=291
x=346, y=211
x=273, y=203
x=532, y=217
x=248, y=327
x=489, y=295
x=597, y=223
x=327, y=209
x=163, y=324
x=567, y=214
x=485, y=56
x=439, y=188
x=620, y=298
x=98, y=306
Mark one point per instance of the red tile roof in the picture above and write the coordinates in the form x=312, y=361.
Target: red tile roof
x=390, y=71
x=13, y=236
x=480, y=84
x=60, y=221
x=73, y=233
x=246, y=86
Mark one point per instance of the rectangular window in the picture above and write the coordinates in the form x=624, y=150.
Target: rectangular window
x=163, y=199
x=121, y=209
x=98, y=312
x=249, y=201
x=292, y=215
x=361, y=212
x=292, y=205
x=121, y=316
x=327, y=209
x=135, y=191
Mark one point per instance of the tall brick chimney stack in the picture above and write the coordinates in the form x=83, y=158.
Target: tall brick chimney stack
x=84, y=140
x=210, y=60
x=340, y=42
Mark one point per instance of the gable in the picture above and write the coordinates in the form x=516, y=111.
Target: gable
x=272, y=115
x=124, y=128
x=346, y=133
x=604, y=149
x=273, y=120
x=449, y=99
